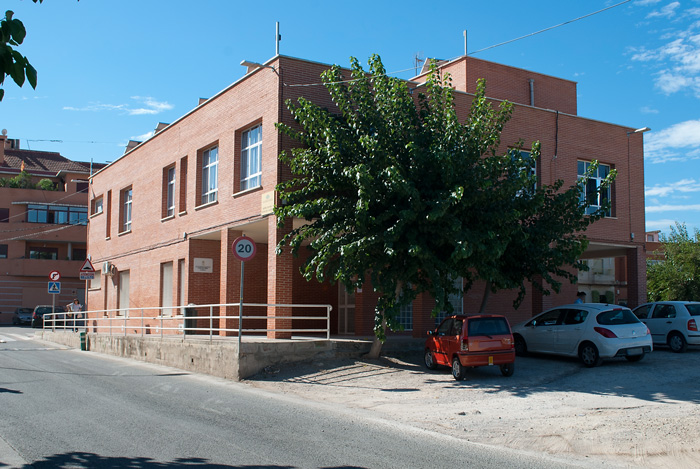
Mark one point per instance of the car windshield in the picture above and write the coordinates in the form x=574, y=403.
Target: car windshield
x=617, y=316
x=694, y=309
x=488, y=326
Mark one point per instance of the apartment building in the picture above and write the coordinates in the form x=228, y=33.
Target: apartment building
x=43, y=225
x=164, y=215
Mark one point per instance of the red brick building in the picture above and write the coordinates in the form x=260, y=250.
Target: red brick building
x=171, y=206
x=41, y=230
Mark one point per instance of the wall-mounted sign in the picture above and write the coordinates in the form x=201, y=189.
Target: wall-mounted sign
x=203, y=265
x=267, y=203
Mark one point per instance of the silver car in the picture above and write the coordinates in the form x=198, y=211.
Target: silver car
x=590, y=331
x=673, y=323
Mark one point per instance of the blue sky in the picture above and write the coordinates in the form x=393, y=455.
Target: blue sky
x=110, y=71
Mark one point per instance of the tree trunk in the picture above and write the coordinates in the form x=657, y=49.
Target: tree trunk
x=376, y=350
x=485, y=298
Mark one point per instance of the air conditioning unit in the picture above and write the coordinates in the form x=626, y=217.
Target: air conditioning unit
x=108, y=268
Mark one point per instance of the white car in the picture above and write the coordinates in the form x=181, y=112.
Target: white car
x=673, y=323
x=590, y=331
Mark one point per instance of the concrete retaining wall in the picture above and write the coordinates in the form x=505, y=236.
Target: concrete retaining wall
x=218, y=357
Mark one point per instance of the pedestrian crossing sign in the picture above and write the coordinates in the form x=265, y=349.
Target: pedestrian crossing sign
x=54, y=288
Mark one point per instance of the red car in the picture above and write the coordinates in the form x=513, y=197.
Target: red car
x=468, y=341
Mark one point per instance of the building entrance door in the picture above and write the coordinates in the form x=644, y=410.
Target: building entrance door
x=346, y=311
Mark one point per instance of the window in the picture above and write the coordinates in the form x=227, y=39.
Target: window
x=96, y=282
x=79, y=254
x=123, y=287
x=183, y=184
x=169, y=192
x=126, y=210
x=455, y=300
x=166, y=288
x=593, y=193
x=43, y=253
x=210, y=162
x=82, y=187
x=108, y=221
x=56, y=214
x=530, y=167
x=406, y=316
x=97, y=205
x=251, y=156
x=3, y=251
x=4, y=215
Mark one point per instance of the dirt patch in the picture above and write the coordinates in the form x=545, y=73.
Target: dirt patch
x=642, y=414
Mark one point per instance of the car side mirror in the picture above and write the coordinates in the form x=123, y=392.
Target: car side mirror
x=431, y=333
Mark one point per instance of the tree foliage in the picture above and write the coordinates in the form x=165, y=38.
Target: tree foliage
x=12, y=63
x=677, y=278
x=396, y=190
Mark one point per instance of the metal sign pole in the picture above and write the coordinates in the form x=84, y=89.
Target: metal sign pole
x=240, y=313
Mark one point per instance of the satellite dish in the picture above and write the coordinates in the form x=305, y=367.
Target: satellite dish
x=4, y=132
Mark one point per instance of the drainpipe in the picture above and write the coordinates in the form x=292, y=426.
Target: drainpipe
x=532, y=91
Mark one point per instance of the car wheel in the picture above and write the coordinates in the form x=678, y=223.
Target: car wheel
x=588, y=353
x=507, y=369
x=520, y=346
x=429, y=360
x=634, y=358
x=458, y=371
x=677, y=342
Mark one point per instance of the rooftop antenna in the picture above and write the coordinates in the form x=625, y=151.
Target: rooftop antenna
x=418, y=61
x=465, y=42
x=278, y=38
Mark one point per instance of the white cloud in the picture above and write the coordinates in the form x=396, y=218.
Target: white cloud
x=683, y=186
x=668, y=11
x=146, y=106
x=143, y=137
x=679, y=58
x=648, y=110
x=643, y=3
x=661, y=225
x=673, y=208
x=680, y=142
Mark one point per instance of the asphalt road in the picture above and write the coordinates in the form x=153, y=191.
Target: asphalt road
x=61, y=407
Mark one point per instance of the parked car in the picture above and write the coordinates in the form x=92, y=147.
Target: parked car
x=22, y=316
x=41, y=310
x=590, y=331
x=462, y=342
x=672, y=323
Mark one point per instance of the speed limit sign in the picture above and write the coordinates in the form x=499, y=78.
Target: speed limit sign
x=244, y=248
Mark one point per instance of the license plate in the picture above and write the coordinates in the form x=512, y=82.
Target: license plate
x=635, y=351
x=490, y=360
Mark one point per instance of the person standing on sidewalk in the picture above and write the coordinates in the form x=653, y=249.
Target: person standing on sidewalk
x=74, y=309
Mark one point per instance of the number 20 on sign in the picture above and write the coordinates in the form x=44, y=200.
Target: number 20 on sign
x=244, y=248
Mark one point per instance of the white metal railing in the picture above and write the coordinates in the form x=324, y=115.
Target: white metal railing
x=184, y=321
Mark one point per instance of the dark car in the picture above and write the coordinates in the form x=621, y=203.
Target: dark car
x=22, y=316
x=469, y=341
x=40, y=311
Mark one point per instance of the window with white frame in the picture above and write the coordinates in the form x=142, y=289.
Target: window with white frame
x=593, y=192
x=170, y=191
x=405, y=317
x=251, y=158
x=126, y=209
x=530, y=167
x=210, y=184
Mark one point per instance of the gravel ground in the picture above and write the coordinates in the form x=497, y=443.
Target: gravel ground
x=643, y=414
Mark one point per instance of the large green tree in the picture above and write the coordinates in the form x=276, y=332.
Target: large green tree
x=396, y=190
x=678, y=276
x=12, y=63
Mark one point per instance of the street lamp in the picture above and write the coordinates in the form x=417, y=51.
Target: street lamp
x=253, y=65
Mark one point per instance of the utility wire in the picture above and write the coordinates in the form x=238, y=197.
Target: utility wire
x=476, y=51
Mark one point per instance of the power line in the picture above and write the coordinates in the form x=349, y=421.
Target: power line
x=477, y=51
